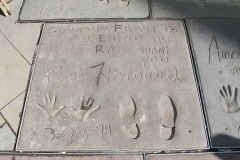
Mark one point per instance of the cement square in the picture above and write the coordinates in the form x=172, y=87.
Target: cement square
x=45, y=10
x=2, y=121
x=197, y=156
x=142, y=97
x=23, y=37
x=216, y=44
x=12, y=112
x=7, y=138
x=14, y=72
x=95, y=157
x=178, y=9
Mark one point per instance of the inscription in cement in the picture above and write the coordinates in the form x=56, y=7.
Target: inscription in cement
x=217, y=51
x=44, y=10
x=113, y=86
x=195, y=8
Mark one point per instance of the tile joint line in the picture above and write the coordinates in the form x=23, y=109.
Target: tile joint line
x=12, y=130
x=12, y=100
x=15, y=47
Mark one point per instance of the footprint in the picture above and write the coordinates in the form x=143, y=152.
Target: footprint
x=167, y=113
x=127, y=111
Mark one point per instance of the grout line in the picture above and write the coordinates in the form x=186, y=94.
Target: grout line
x=15, y=134
x=198, y=83
x=28, y=86
x=12, y=100
x=15, y=47
x=1, y=126
x=150, y=9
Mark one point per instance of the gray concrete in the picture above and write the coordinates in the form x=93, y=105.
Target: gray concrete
x=195, y=8
x=86, y=9
x=23, y=37
x=196, y=156
x=95, y=157
x=7, y=137
x=217, y=50
x=143, y=97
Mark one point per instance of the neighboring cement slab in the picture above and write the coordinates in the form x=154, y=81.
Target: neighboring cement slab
x=23, y=37
x=45, y=10
x=217, y=50
x=113, y=86
x=178, y=9
x=7, y=137
x=95, y=157
x=196, y=156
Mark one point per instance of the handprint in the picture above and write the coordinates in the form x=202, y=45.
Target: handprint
x=49, y=109
x=229, y=98
x=83, y=112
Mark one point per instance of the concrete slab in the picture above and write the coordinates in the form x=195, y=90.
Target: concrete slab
x=7, y=138
x=141, y=96
x=12, y=111
x=178, y=9
x=14, y=72
x=217, y=51
x=194, y=156
x=97, y=157
x=2, y=121
x=45, y=10
x=22, y=36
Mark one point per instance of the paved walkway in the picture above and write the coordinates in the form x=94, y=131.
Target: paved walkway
x=18, y=44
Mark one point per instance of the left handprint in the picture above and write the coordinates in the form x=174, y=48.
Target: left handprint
x=49, y=109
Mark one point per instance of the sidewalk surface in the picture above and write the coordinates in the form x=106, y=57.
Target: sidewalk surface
x=196, y=58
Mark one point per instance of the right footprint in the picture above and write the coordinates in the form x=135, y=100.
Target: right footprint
x=127, y=111
x=167, y=113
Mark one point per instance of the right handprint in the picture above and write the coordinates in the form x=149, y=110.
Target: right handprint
x=229, y=98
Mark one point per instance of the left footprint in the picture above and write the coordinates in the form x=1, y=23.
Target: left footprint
x=127, y=111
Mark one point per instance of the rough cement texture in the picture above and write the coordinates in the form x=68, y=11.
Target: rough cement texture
x=217, y=51
x=178, y=9
x=198, y=156
x=96, y=157
x=104, y=87
x=84, y=9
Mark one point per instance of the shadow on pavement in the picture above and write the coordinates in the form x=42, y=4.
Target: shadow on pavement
x=1, y=13
x=222, y=140
x=196, y=8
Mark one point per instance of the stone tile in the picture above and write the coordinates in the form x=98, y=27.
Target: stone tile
x=179, y=9
x=23, y=36
x=2, y=121
x=198, y=156
x=97, y=157
x=217, y=52
x=44, y=10
x=13, y=110
x=133, y=71
x=7, y=138
x=14, y=72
